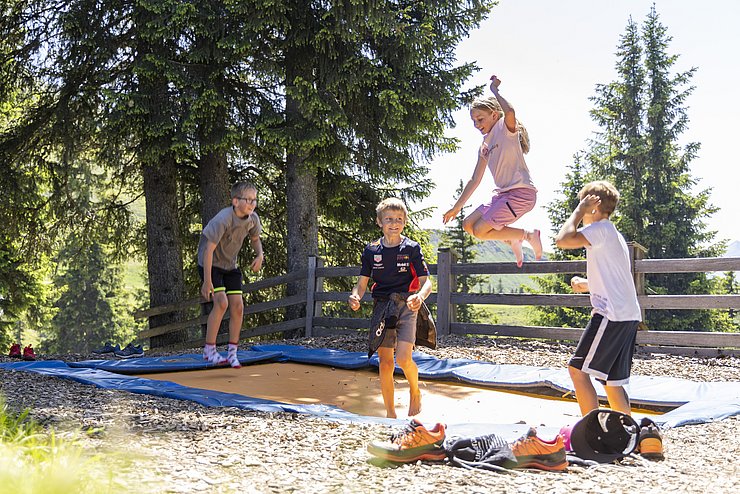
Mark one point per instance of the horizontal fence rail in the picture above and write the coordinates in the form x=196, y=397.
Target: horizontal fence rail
x=446, y=301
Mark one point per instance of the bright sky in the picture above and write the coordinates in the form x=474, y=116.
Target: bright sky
x=550, y=55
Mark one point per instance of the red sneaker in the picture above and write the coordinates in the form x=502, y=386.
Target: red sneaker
x=15, y=351
x=28, y=353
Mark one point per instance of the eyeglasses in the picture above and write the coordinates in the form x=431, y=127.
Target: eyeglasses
x=247, y=199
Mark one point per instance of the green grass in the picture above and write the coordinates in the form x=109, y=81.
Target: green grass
x=513, y=315
x=34, y=460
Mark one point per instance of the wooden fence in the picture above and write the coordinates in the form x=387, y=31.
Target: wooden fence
x=694, y=341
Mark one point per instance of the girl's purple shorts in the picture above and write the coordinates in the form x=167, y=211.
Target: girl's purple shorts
x=508, y=206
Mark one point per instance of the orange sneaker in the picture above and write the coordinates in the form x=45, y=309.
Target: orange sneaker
x=650, y=445
x=532, y=452
x=415, y=442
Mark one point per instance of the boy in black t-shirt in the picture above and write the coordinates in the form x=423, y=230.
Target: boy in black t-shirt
x=396, y=265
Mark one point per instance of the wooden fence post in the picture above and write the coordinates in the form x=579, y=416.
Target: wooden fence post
x=444, y=288
x=637, y=252
x=310, y=295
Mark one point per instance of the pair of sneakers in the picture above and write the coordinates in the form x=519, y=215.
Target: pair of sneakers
x=211, y=355
x=26, y=354
x=416, y=442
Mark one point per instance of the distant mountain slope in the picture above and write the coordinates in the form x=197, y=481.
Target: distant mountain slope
x=495, y=251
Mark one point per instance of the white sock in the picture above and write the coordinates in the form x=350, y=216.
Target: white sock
x=233, y=360
x=210, y=354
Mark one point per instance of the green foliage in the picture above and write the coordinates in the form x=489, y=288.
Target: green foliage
x=641, y=115
x=91, y=307
x=462, y=245
x=35, y=460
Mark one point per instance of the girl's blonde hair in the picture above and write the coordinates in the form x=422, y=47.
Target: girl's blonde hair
x=491, y=104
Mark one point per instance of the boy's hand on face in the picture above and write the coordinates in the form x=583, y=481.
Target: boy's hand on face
x=589, y=204
x=354, y=301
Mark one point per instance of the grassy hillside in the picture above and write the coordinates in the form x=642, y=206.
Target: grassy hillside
x=495, y=251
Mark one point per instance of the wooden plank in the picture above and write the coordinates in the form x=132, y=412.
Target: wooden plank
x=252, y=332
x=164, y=309
x=343, y=296
x=338, y=271
x=662, y=338
x=352, y=271
x=691, y=265
x=689, y=351
x=689, y=301
x=539, y=267
x=274, y=281
x=342, y=322
x=700, y=339
x=576, y=300
x=168, y=328
x=339, y=297
x=274, y=304
x=248, y=309
x=310, y=295
x=266, y=329
x=549, y=333
x=445, y=284
x=320, y=331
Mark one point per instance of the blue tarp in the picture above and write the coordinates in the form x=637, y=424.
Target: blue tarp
x=697, y=402
x=149, y=365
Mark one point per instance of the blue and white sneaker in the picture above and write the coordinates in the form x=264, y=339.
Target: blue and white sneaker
x=130, y=351
x=107, y=348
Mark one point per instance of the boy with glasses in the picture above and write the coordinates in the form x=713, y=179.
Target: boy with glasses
x=220, y=243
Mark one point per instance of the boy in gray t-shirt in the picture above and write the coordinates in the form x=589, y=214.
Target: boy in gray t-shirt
x=220, y=242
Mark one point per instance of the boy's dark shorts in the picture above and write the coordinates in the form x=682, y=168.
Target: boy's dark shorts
x=224, y=281
x=605, y=350
x=405, y=329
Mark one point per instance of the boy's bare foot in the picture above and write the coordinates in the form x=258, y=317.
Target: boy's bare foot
x=516, y=246
x=533, y=238
x=390, y=414
x=415, y=404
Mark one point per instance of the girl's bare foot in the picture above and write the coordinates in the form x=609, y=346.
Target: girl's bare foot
x=516, y=246
x=533, y=238
x=415, y=404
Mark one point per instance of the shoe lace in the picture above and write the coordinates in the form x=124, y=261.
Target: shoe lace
x=409, y=436
x=524, y=442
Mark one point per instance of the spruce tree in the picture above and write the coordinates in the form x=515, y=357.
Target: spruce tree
x=463, y=245
x=642, y=115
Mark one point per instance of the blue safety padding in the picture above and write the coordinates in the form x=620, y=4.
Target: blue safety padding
x=697, y=402
x=168, y=389
x=147, y=365
x=340, y=359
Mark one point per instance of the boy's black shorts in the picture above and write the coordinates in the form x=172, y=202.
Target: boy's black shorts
x=605, y=350
x=229, y=281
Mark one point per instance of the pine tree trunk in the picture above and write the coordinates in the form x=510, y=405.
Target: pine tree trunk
x=302, y=222
x=164, y=248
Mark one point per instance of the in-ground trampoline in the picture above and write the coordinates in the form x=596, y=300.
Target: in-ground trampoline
x=470, y=396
